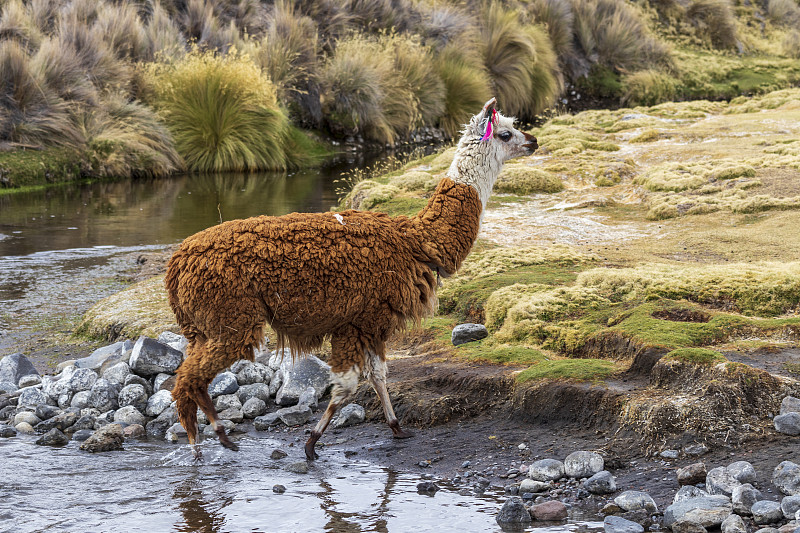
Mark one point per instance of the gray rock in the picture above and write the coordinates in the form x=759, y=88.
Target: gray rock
x=15, y=366
x=670, y=454
x=277, y=358
x=159, y=381
x=720, y=482
x=107, y=438
x=790, y=404
x=583, y=464
x=790, y=505
x=65, y=400
x=80, y=400
x=788, y=424
x=464, y=333
x=349, y=415
x=117, y=373
x=692, y=474
x=262, y=423
x=276, y=383
x=158, y=402
x=513, y=513
x=158, y=427
x=615, y=524
x=176, y=432
x=101, y=355
x=229, y=426
x=6, y=387
x=129, y=415
x=707, y=511
x=733, y=524
x=254, y=407
x=84, y=422
x=309, y=398
x=31, y=397
x=134, y=431
x=533, y=486
x=743, y=498
x=766, y=512
x=227, y=401
x=29, y=380
x=7, y=431
x=786, y=477
x=300, y=467
x=82, y=434
x=256, y=390
x=295, y=415
x=225, y=383
x=234, y=414
x=546, y=470
x=61, y=421
x=44, y=411
x=133, y=379
x=133, y=395
x=149, y=357
x=742, y=471
x=428, y=487
x=263, y=355
x=54, y=437
x=696, y=450
x=26, y=416
x=24, y=427
x=104, y=419
x=277, y=455
x=687, y=526
x=103, y=395
x=601, y=483
x=768, y=530
x=174, y=341
x=308, y=371
x=254, y=373
x=633, y=500
x=7, y=412
x=278, y=489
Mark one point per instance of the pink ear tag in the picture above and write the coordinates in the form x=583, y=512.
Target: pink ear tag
x=489, y=126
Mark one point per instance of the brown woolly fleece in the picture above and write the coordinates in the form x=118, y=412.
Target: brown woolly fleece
x=311, y=276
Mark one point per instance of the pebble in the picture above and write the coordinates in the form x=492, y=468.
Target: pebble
x=278, y=489
x=616, y=524
x=513, y=513
x=278, y=454
x=300, y=467
x=428, y=487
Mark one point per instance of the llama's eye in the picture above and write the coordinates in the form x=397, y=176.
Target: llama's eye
x=505, y=136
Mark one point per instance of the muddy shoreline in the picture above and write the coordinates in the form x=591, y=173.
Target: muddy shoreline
x=461, y=411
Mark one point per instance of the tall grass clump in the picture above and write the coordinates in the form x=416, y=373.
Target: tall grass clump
x=466, y=85
x=375, y=16
x=791, y=44
x=414, y=63
x=783, y=12
x=714, y=22
x=222, y=113
x=162, y=37
x=441, y=24
x=121, y=28
x=647, y=87
x=557, y=17
x=17, y=23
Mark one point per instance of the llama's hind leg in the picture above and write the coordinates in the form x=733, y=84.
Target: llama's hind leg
x=377, y=376
x=184, y=395
x=208, y=408
x=344, y=386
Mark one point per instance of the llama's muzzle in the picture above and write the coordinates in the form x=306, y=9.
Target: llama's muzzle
x=532, y=144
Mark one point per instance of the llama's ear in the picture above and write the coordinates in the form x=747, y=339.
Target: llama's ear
x=488, y=110
x=482, y=124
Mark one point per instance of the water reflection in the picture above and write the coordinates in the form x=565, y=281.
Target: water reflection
x=199, y=514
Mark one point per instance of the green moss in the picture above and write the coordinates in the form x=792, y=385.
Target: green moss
x=28, y=168
x=401, y=205
x=503, y=354
x=648, y=135
x=696, y=356
x=569, y=370
x=524, y=179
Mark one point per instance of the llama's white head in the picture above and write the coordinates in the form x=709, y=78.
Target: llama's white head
x=488, y=141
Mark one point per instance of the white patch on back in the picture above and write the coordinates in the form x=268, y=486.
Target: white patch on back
x=340, y=218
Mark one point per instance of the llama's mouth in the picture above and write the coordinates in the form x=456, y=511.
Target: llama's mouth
x=532, y=145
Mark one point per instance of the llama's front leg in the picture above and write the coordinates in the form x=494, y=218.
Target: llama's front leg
x=344, y=386
x=207, y=406
x=377, y=376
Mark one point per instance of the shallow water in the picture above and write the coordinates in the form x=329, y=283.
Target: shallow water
x=159, y=487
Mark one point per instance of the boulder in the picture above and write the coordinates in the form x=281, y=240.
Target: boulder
x=176, y=432
x=546, y=470
x=687, y=526
x=790, y=505
x=82, y=434
x=6, y=387
x=583, y=464
x=766, y=512
x=263, y=422
x=309, y=371
x=133, y=395
x=254, y=373
x=30, y=397
x=133, y=379
x=786, y=477
x=349, y=415
x=134, y=431
x=149, y=357
x=788, y=424
x=61, y=421
x=254, y=407
x=129, y=415
x=23, y=427
x=533, y=487
x=733, y=524
x=84, y=422
x=117, y=373
x=790, y=404
x=464, y=333
x=54, y=437
x=26, y=416
x=158, y=427
x=633, y=500
x=276, y=382
x=227, y=401
x=720, y=482
x=158, y=403
x=692, y=474
x=743, y=498
x=513, y=514
x=707, y=511
x=174, y=341
x=309, y=398
x=224, y=384
x=742, y=471
x=615, y=524
x=103, y=395
x=80, y=400
x=109, y=353
x=7, y=431
x=15, y=366
x=44, y=411
x=107, y=438
x=549, y=511
x=234, y=414
x=601, y=483
x=163, y=381
x=295, y=415
x=256, y=390
x=29, y=380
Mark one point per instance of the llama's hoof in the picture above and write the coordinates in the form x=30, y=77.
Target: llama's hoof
x=198, y=454
x=311, y=453
x=225, y=441
x=400, y=434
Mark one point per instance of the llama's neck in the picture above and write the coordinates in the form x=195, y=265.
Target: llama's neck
x=475, y=165
x=447, y=227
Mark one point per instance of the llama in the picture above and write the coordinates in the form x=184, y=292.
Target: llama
x=354, y=277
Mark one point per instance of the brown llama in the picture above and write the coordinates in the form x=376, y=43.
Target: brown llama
x=355, y=277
